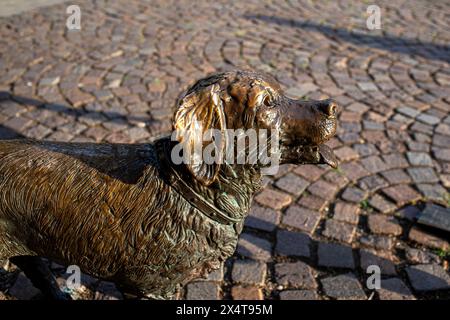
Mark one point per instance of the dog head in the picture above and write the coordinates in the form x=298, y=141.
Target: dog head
x=245, y=100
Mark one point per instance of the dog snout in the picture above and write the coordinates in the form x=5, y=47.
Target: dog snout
x=329, y=107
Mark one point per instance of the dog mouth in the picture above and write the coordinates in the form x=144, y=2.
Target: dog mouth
x=309, y=154
x=327, y=156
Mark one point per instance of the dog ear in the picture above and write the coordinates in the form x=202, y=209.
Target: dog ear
x=200, y=115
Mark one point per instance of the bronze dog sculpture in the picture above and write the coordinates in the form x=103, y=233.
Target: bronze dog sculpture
x=127, y=213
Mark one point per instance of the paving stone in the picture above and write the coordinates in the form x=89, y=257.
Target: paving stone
x=440, y=141
x=372, y=183
x=301, y=218
x=343, y=287
x=262, y=218
x=103, y=95
x=376, y=137
x=396, y=176
x=435, y=216
x=354, y=194
x=54, y=121
x=354, y=171
x=395, y=160
x=295, y=275
x=422, y=128
x=249, y=272
x=309, y=172
x=383, y=261
x=427, y=239
x=346, y=154
x=292, y=243
x=118, y=137
x=379, y=242
x=301, y=90
x=443, y=129
x=350, y=137
x=433, y=192
x=299, y=295
x=409, y=212
x=38, y=132
x=92, y=119
x=407, y=111
x=431, y=120
x=357, y=107
x=323, y=189
x=351, y=117
x=337, y=178
x=313, y=202
x=346, y=212
x=428, y=277
x=254, y=247
x=367, y=86
x=372, y=125
x=292, y=184
x=402, y=194
x=215, y=275
x=381, y=224
x=421, y=256
x=423, y=175
x=335, y=256
x=138, y=133
x=418, y=146
x=419, y=159
x=374, y=164
x=365, y=149
x=381, y=204
x=442, y=154
x=202, y=290
x=273, y=199
x=96, y=133
x=246, y=293
x=394, y=289
x=18, y=123
x=77, y=97
x=339, y=231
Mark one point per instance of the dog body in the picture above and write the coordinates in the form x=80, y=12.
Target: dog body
x=109, y=210
x=127, y=213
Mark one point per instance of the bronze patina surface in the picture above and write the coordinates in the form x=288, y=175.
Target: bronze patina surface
x=127, y=214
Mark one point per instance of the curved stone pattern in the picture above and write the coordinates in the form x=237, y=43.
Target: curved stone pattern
x=313, y=231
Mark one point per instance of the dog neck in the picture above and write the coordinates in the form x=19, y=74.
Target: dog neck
x=227, y=200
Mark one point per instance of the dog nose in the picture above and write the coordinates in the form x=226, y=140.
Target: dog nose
x=328, y=107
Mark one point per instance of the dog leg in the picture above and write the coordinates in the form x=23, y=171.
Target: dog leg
x=41, y=276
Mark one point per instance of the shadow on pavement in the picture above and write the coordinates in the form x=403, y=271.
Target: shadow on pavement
x=427, y=50
x=112, y=116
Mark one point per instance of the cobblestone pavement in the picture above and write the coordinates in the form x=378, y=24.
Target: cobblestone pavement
x=313, y=231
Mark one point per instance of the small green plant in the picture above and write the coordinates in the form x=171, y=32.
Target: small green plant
x=364, y=204
x=443, y=253
x=339, y=171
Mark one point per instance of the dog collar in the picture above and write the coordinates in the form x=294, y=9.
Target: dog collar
x=176, y=181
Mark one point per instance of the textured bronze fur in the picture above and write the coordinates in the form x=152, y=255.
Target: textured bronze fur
x=116, y=210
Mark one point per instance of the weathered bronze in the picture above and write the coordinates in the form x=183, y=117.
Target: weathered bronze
x=127, y=213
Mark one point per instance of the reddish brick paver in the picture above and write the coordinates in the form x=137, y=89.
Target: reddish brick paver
x=117, y=80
